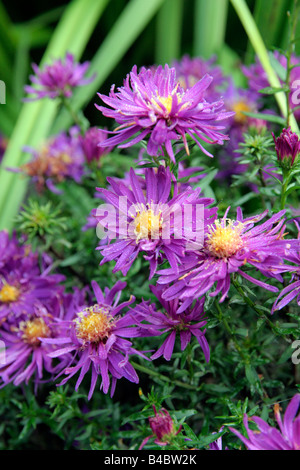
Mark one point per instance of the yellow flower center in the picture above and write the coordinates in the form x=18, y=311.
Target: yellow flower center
x=9, y=293
x=163, y=104
x=34, y=329
x=224, y=238
x=94, y=324
x=147, y=224
x=239, y=107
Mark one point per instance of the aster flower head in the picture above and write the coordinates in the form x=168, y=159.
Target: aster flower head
x=59, y=159
x=57, y=79
x=97, y=338
x=190, y=70
x=270, y=438
x=287, y=147
x=154, y=221
x=153, y=104
x=22, y=283
x=162, y=427
x=26, y=356
x=90, y=144
x=175, y=318
x=241, y=100
x=229, y=246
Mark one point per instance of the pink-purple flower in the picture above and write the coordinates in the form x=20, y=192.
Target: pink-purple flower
x=162, y=427
x=287, y=147
x=230, y=246
x=152, y=104
x=57, y=79
x=90, y=144
x=96, y=336
x=155, y=221
x=267, y=437
x=23, y=284
x=26, y=355
x=172, y=320
x=189, y=70
x=58, y=159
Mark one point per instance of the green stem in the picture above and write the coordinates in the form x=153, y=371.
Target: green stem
x=285, y=183
x=259, y=312
x=148, y=371
x=230, y=332
x=65, y=102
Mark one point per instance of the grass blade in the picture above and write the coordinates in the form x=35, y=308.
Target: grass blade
x=168, y=37
x=210, y=26
x=259, y=47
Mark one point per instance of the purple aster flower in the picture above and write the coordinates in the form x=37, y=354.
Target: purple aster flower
x=154, y=104
x=287, y=147
x=26, y=356
x=152, y=222
x=59, y=159
x=175, y=318
x=258, y=79
x=190, y=70
x=22, y=284
x=293, y=289
x=57, y=79
x=162, y=427
x=240, y=101
x=97, y=338
x=90, y=144
x=270, y=438
x=229, y=246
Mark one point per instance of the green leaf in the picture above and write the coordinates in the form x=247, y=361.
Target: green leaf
x=168, y=25
x=271, y=90
x=267, y=117
x=210, y=21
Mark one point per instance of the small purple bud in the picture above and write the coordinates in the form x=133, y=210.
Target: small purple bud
x=162, y=425
x=287, y=147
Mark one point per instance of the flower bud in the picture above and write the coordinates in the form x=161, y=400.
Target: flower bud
x=287, y=147
x=162, y=425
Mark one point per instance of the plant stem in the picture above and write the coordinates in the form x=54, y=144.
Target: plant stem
x=65, y=102
x=148, y=371
x=254, y=307
x=230, y=332
x=285, y=183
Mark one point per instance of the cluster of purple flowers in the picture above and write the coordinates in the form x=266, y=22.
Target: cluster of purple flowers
x=62, y=157
x=192, y=250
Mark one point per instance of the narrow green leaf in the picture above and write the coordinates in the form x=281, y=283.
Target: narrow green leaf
x=210, y=26
x=257, y=42
x=168, y=25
